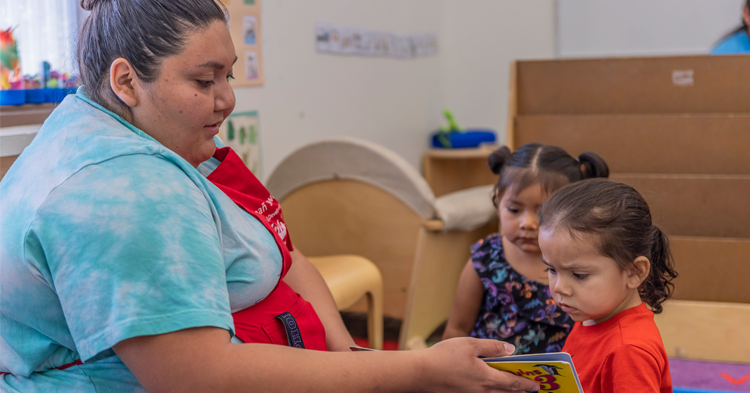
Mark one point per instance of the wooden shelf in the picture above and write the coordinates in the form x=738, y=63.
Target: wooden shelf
x=24, y=115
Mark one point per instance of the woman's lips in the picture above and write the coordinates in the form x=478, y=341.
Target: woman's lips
x=212, y=129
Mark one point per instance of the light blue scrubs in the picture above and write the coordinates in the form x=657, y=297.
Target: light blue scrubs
x=108, y=235
x=736, y=44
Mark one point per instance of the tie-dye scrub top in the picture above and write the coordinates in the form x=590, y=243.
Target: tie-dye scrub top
x=514, y=308
x=108, y=235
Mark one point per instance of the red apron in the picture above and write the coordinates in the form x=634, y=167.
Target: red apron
x=283, y=317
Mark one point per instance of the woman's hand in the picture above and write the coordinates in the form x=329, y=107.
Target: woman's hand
x=453, y=366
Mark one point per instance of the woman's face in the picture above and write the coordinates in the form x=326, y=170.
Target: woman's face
x=185, y=106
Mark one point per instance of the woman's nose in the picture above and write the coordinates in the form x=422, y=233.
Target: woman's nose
x=224, y=99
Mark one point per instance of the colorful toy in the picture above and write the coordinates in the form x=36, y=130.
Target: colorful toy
x=453, y=137
x=10, y=65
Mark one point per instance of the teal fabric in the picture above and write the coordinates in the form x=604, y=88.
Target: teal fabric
x=736, y=44
x=108, y=235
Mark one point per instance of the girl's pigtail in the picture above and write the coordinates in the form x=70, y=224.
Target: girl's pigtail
x=593, y=166
x=658, y=286
x=498, y=159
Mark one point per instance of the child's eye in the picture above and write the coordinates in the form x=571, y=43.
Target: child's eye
x=229, y=78
x=550, y=270
x=512, y=210
x=205, y=83
x=580, y=276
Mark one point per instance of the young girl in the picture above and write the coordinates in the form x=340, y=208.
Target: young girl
x=502, y=293
x=606, y=262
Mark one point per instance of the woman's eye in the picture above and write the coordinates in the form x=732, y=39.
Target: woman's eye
x=550, y=270
x=229, y=78
x=205, y=83
x=580, y=276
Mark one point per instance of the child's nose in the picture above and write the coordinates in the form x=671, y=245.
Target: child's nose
x=560, y=287
x=530, y=221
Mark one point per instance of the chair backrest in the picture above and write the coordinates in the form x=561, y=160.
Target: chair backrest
x=353, y=159
x=348, y=196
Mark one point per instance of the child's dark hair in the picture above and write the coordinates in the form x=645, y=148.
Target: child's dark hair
x=550, y=166
x=619, y=219
x=143, y=32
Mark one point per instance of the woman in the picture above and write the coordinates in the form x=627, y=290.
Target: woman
x=736, y=42
x=119, y=252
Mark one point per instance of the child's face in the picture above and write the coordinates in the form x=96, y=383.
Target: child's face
x=518, y=217
x=584, y=283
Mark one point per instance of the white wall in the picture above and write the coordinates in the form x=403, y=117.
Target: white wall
x=480, y=40
x=310, y=96
x=643, y=27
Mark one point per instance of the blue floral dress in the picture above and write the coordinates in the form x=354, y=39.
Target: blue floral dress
x=514, y=308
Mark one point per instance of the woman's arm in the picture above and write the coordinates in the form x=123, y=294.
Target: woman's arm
x=204, y=360
x=305, y=279
x=466, y=307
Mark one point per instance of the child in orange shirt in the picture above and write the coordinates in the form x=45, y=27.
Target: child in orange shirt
x=606, y=262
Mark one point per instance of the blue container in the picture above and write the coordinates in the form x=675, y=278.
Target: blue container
x=53, y=94
x=12, y=97
x=463, y=140
x=34, y=96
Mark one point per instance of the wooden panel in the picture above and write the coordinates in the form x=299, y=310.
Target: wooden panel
x=711, y=269
x=5, y=163
x=634, y=85
x=682, y=144
x=696, y=205
x=23, y=115
x=440, y=258
x=705, y=330
x=351, y=217
x=449, y=170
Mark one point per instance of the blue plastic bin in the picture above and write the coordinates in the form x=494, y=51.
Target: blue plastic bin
x=12, y=97
x=54, y=94
x=34, y=96
x=463, y=140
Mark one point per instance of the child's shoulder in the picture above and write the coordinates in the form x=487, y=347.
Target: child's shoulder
x=491, y=242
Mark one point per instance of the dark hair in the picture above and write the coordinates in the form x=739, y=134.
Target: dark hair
x=143, y=32
x=619, y=219
x=550, y=166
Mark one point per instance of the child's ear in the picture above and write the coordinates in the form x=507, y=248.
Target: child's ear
x=638, y=272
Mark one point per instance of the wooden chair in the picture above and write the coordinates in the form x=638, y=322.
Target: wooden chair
x=348, y=196
x=351, y=278
x=676, y=129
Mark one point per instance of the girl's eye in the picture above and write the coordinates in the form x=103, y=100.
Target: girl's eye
x=580, y=276
x=514, y=211
x=229, y=78
x=205, y=83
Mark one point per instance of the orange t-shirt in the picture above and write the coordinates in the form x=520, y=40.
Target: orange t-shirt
x=622, y=354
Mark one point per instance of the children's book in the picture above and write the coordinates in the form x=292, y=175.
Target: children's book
x=554, y=372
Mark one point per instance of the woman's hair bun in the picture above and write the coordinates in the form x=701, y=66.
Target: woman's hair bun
x=89, y=5
x=498, y=159
x=593, y=166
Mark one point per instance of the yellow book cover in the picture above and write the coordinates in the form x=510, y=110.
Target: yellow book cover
x=554, y=372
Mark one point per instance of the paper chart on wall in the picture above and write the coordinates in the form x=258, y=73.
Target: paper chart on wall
x=240, y=132
x=360, y=42
x=245, y=27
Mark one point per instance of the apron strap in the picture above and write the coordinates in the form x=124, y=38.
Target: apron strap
x=294, y=338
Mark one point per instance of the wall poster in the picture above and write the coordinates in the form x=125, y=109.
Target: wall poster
x=245, y=27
